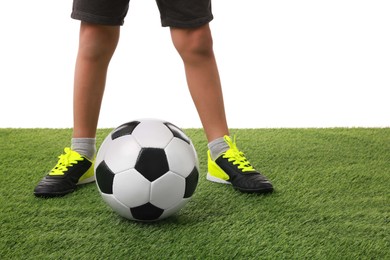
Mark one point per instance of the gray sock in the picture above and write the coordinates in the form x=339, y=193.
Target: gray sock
x=84, y=146
x=217, y=147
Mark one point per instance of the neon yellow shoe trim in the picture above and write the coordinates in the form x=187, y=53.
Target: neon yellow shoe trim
x=215, y=173
x=88, y=176
x=236, y=156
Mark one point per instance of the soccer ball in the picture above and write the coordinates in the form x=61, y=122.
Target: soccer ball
x=147, y=170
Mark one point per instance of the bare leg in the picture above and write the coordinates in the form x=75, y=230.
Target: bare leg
x=195, y=47
x=96, y=46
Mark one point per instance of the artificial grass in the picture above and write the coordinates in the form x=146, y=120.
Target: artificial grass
x=332, y=201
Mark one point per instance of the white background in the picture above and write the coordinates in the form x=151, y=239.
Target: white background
x=282, y=64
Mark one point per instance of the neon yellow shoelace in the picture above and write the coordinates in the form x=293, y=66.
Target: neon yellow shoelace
x=65, y=160
x=236, y=156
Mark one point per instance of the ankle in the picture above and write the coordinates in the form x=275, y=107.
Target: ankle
x=84, y=146
x=217, y=147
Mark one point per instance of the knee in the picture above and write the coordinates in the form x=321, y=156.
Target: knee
x=193, y=43
x=97, y=42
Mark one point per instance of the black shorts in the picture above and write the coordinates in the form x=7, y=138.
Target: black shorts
x=175, y=13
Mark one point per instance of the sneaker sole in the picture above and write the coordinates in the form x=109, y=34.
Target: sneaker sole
x=87, y=180
x=52, y=194
x=217, y=180
x=258, y=191
x=63, y=193
x=211, y=178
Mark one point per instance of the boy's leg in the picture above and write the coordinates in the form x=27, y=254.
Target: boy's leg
x=226, y=164
x=195, y=46
x=97, y=44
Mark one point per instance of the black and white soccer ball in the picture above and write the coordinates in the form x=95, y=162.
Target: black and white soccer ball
x=147, y=169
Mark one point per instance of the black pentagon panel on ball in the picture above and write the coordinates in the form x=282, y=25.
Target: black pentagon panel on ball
x=146, y=212
x=152, y=163
x=104, y=178
x=125, y=129
x=191, y=183
x=177, y=132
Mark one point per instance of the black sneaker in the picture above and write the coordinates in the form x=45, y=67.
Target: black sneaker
x=71, y=169
x=233, y=168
